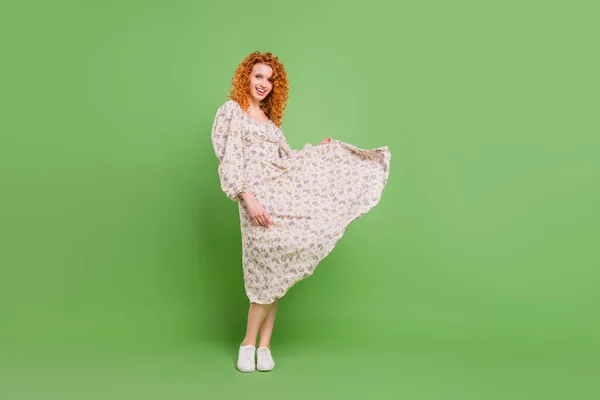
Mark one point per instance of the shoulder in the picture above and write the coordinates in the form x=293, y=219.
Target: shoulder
x=227, y=110
x=229, y=105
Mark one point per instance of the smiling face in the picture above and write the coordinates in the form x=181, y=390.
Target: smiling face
x=261, y=83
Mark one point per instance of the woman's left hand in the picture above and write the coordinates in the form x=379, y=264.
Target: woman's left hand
x=325, y=141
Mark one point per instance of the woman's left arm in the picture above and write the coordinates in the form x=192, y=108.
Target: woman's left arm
x=286, y=151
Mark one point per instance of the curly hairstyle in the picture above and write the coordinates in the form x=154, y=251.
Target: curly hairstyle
x=274, y=104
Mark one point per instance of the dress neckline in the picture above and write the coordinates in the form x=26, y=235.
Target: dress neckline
x=249, y=117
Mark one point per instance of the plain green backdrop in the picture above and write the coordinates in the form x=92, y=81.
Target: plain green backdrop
x=476, y=276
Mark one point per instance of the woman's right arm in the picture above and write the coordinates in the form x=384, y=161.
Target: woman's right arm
x=258, y=214
x=228, y=146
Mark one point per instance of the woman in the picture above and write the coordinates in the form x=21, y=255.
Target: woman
x=294, y=205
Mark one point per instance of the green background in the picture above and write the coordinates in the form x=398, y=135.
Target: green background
x=476, y=276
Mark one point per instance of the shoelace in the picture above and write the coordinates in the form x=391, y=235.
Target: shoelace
x=264, y=353
x=248, y=354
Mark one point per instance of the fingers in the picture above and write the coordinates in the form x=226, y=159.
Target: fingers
x=259, y=220
x=268, y=220
x=260, y=216
x=263, y=220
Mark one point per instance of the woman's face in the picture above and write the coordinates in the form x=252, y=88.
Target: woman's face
x=261, y=83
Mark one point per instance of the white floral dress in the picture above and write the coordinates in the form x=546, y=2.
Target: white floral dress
x=312, y=195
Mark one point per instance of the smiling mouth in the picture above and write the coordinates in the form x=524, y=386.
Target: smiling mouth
x=260, y=91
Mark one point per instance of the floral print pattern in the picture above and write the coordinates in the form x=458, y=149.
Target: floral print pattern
x=312, y=195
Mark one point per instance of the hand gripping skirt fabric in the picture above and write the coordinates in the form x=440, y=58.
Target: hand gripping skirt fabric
x=312, y=196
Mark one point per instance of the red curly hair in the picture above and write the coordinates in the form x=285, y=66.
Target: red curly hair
x=274, y=104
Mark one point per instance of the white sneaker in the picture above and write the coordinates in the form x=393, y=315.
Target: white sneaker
x=265, y=361
x=245, y=361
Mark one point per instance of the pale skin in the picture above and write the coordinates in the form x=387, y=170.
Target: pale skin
x=261, y=317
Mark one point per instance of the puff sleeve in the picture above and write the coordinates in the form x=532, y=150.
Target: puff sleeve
x=227, y=142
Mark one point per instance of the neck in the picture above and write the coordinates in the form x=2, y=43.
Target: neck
x=254, y=104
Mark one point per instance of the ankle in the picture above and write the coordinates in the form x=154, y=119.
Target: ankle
x=247, y=342
x=268, y=346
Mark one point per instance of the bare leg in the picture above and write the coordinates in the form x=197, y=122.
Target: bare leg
x=266, y=329
x=256, y=315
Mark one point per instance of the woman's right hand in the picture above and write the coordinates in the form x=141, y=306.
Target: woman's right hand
x=258, y=214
